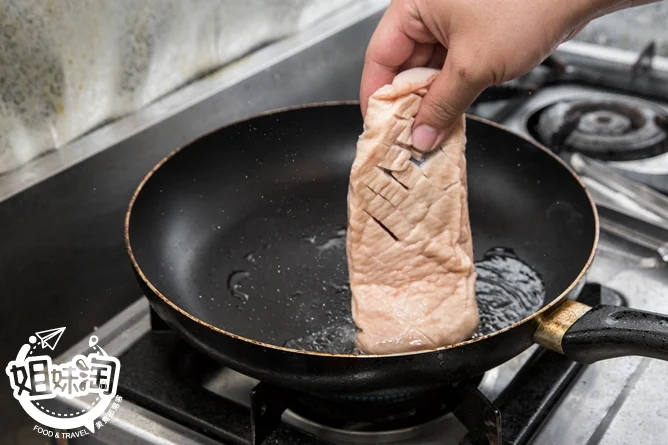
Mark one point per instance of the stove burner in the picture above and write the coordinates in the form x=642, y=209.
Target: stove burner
x=608, y=129
x=448, y=422
x=374, y=413
x=370, y=415
x=605, y=122
x=394, y=416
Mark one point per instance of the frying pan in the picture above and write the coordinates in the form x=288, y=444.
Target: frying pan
x=236, y=241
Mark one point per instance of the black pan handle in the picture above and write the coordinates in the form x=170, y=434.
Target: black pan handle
x=589, y=334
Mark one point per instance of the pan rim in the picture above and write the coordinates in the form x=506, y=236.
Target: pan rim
x=536, y=315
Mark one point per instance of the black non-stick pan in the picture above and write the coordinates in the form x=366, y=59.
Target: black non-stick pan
x=238, y=242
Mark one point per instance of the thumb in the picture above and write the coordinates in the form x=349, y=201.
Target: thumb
x=448, y=97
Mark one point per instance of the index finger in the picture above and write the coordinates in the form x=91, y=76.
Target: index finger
x=388, y=49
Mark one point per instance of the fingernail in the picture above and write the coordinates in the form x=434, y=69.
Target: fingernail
x=424, y=137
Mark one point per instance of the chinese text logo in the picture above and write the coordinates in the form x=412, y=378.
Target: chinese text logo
x=37, y=383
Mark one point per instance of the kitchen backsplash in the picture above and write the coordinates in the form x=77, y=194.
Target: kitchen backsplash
x=631, y=29
x=69, y=66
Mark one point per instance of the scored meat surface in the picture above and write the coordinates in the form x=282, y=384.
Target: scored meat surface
x=409, y=247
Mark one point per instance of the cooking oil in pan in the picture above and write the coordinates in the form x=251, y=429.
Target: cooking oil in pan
x=234, y=284
x=507, y=290
x=338, y=240
x=337, y=338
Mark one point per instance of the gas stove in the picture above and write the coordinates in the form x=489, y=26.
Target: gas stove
x=606, y=105
x=627, y=133
x=595, y=102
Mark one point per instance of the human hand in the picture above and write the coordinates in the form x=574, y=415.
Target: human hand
x=486, y=42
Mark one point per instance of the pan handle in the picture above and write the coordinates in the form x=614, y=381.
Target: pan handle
x=589, y=334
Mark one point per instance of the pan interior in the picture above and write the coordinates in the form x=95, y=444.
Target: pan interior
x=245, y=229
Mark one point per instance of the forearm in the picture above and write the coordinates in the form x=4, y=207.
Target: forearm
x=600, y=8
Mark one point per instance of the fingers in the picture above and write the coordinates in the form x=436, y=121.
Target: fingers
x=388, y=50
x=422, y=55
x=438, y=57
x=449, y=96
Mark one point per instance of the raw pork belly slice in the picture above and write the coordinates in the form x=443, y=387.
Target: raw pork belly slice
x=409, y=247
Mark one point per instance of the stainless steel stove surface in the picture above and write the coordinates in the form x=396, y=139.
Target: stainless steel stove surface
x=184, y=399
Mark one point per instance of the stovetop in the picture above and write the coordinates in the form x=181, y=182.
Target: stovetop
x=172, y=395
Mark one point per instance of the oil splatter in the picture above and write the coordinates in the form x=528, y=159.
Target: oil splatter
x=234, y=281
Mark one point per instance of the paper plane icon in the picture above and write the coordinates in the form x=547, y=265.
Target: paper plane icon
x=50, y=337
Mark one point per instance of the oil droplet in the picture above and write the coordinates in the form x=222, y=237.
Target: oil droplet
x=340, y=288
x=337, y=338
x=234, y=284
x=338, y=241
x=309, y=239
